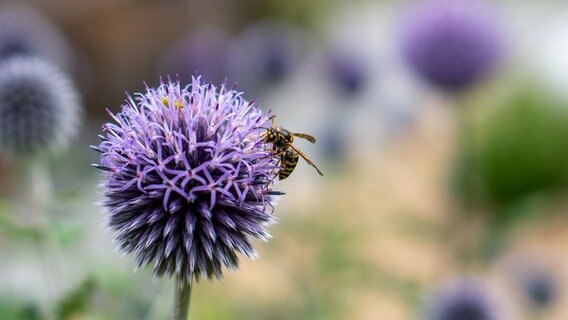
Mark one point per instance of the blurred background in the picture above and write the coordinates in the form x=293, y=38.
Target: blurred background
x=442, y=130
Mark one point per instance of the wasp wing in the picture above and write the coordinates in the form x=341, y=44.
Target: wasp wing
x=305, y=136
x=305, y=158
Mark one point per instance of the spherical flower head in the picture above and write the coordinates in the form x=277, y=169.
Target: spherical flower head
x=451, y=43
x=464, y=299
x=188, y=179
x=39, y=107
x=24, y=31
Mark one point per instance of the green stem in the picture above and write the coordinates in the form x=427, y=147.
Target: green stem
x=467, y=148
x=37, y=191
x=181, y=300
x=465, y=157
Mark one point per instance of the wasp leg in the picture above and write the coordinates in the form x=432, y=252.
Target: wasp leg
x=274, y=154
x=272, y=173
x=278, y=165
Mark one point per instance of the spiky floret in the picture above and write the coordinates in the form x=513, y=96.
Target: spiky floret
x=188, y=179
x=39, y=106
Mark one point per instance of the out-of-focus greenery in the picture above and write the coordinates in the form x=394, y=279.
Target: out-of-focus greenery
x=77, y=300
x=519, y=150
x=302, y=12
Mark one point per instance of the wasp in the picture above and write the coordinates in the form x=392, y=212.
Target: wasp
x=282, y=142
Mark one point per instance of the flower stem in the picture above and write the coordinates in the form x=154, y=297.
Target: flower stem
x=181, y=302
x=35, y=205
x=465, y=234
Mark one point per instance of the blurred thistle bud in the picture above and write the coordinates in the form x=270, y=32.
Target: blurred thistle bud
x=540, y=288
x=266, y=53
x=464, y=299
x=202, y=52
x=347, y=71
x=451, y=44
x=24, y=31
x=334, y=145
x=188, y=179
x=39, y=106
x=536, y=278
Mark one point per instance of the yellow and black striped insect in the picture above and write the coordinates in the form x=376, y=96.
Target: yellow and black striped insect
x=282, y=142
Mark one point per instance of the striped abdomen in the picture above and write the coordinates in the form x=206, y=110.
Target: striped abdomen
x=289, y=162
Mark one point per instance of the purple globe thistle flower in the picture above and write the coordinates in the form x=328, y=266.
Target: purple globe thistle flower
x=201, y=52
x=188, y=179
x=39, y=106
x=265, y=53
x=541, y=289
x=347, y=71
x=537, y=281
x=464, y=299
x=451, y=43
x=24, y=31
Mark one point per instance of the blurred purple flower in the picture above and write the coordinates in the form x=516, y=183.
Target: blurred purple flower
x=39, y=106
x=265, y=53
x=347, y=71
x=202, y=52
x=24, y=31
x=188, y=179
x=537, y=281
x=540, y=289
x=452, y=43
x=463, y=299
x=333, y=143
